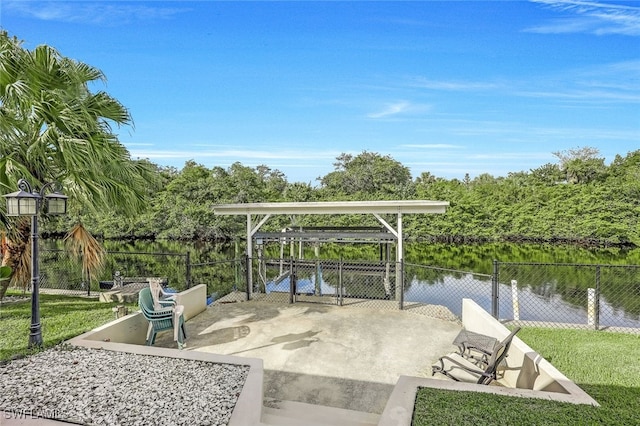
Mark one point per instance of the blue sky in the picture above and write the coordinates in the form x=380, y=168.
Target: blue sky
x=445, y=87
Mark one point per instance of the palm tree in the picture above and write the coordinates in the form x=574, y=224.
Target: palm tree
x=53, y=128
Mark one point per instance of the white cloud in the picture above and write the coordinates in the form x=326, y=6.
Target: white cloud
x=595, y=96
x=400, y=107
x=431, y=146
x=102, y=13
x=129, y=144
x=591, y=17
x=593, y=86
x=391, y=109
x=511, y=156
x=235, y=155
x=423, y=83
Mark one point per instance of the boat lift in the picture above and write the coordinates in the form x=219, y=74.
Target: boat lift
x=261, y=212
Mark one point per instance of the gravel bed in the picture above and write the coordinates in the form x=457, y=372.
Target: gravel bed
x=101, y=387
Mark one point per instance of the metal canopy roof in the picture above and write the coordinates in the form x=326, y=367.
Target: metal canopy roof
x=334, y=207
x=397, y=207
x=326, y=236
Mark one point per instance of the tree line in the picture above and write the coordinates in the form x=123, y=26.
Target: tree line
x=578, y=200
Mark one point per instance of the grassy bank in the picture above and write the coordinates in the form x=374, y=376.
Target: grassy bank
x=62, y=317
x=604, y=364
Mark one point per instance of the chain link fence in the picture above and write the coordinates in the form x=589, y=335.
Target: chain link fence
x=222, y=277
x=325, y=281
x=550, y=295
x=536, y=294
x=62, y=273
x=569, y=295
x=441, y=290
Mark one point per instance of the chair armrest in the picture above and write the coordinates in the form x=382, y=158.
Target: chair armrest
x=459, y=364
x=461, y=369
x=159, y=313
x=167, y=294
x=469, y=342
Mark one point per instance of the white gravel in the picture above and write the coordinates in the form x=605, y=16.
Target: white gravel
x=101, y=387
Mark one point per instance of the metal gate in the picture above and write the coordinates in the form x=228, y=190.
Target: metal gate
x=335, y=282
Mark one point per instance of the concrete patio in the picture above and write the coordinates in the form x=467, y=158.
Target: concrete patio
x=343, y=357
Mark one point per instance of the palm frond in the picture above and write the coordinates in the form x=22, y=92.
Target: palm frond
x=82, y=245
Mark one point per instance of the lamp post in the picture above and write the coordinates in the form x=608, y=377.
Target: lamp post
x=29, y=202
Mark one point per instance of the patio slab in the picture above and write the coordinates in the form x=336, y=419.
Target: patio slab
x=343, y=357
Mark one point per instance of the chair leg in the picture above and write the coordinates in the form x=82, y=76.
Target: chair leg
x=182, y=335
x=435, y=369
x=151, y=340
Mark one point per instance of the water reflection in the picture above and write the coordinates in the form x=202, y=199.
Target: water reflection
x=547, y=293
x=546, y=307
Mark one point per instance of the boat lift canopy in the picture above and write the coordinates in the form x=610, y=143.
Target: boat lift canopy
x=263, y=211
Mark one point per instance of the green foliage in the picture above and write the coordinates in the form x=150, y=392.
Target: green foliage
x=600, y=208
x=581, y=165
x=538, y=207
x=367, y=176
x=5, y=272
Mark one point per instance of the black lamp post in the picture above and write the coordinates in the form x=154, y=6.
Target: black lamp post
x=29, y=202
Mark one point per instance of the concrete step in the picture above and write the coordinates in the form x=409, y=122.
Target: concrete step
x=292, y=413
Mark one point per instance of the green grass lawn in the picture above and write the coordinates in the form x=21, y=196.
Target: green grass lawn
x=605, y=365
x=62, y=317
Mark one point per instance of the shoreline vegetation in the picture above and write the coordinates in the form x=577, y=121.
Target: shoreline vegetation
x=579, y=201
x=436, y=239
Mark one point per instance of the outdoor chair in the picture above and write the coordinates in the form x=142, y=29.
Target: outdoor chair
x=165, y=318
x=460, y=368
x=161, y=298
x=475, y=347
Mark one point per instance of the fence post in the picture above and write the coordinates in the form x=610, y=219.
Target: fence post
x=515, y=301
x=494, y=291
x=237, y=265
x=188, y=273
x=318, y=280
x=247, y=273
x=597, y=299
x=401, y=272
x=591, y=307
x=292, y=280
x=340, y=284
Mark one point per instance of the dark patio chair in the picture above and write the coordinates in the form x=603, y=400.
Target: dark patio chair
x=476, y=347
x=462, y=369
